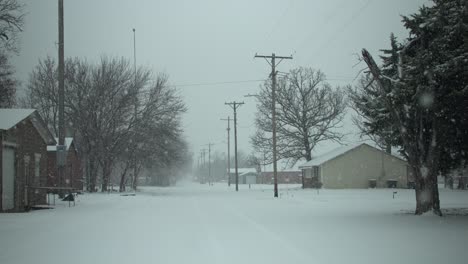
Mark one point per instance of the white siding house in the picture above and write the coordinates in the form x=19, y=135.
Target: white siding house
x=356, y=166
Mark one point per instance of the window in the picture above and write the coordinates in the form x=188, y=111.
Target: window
x=37, y=165
x=307, y=173
x=315, y=172
x=26, y=168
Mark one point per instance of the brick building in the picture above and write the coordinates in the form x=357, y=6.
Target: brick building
x=73, y=176
x=24, y=138
x=284, y=177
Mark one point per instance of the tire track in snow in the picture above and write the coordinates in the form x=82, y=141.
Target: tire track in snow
x=279, y=244
x=214, y=252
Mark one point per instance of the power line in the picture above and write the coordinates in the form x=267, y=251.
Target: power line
x=342, y=28
x=216, y=83
x=325, y=22
x=279, y=20
x=146, y=91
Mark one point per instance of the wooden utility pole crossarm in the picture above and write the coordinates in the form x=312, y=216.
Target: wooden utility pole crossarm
x=273, y=74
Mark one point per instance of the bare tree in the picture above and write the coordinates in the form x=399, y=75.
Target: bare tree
x=7, y=82
x=115, y=87
x=157, y=126
x=309, y=111
x=100, y=113
x=41, y=92
x=11, y=23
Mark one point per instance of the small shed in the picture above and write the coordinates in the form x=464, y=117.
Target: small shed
x=24, y=138
x=356, y=166
x=246, y=175
x=73, y=176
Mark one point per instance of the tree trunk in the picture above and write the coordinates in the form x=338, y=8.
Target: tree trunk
x=106, y=172
x=308, y=158
x=461, y=180
x=122, y=178
x=461, y=183
x=427, y=191
x=135, y=177
x=388, y=148
x=92, y=175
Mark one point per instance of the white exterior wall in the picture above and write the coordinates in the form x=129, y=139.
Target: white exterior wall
x=354, y=169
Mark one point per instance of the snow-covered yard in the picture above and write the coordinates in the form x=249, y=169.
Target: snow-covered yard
x=195, y=223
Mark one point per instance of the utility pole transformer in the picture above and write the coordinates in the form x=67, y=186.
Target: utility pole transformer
x=229, y=150
x=61, y=149
x=234, y=106
x=273, y=65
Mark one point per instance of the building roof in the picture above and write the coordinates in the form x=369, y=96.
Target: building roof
x=10, y=117
x=68, y=142
x=319, y=160
x=282, y=173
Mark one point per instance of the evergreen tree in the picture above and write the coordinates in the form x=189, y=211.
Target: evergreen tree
x=374, y=119
x=427, y=96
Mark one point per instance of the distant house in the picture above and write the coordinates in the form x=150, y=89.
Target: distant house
x=73, y=176
x=246, y=175
x=284, y=177
x=24, y=138
x=356, y=166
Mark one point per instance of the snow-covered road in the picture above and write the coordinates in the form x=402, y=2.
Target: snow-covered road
x=196, y=223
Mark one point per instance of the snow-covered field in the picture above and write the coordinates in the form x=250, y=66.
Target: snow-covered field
x=195, y=223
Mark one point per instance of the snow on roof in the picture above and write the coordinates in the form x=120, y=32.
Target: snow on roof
x=330, y=155
x=243, y=170
x=68, y=142
x=10, y=117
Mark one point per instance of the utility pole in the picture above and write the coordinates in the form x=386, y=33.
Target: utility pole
x=135, y=115
x=229, y=149
x=273, y=65
x=203, y=152
x=234, y=105
x=200, y=167
x=209, y=164
x=61, y=96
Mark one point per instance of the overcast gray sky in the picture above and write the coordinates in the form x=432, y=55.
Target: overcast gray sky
x=213, y=42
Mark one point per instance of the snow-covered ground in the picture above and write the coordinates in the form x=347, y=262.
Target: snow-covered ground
x=195, y=223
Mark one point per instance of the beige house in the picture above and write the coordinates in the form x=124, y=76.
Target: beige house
x=356, y=166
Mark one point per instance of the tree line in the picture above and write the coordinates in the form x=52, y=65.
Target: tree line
x=117, y=116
